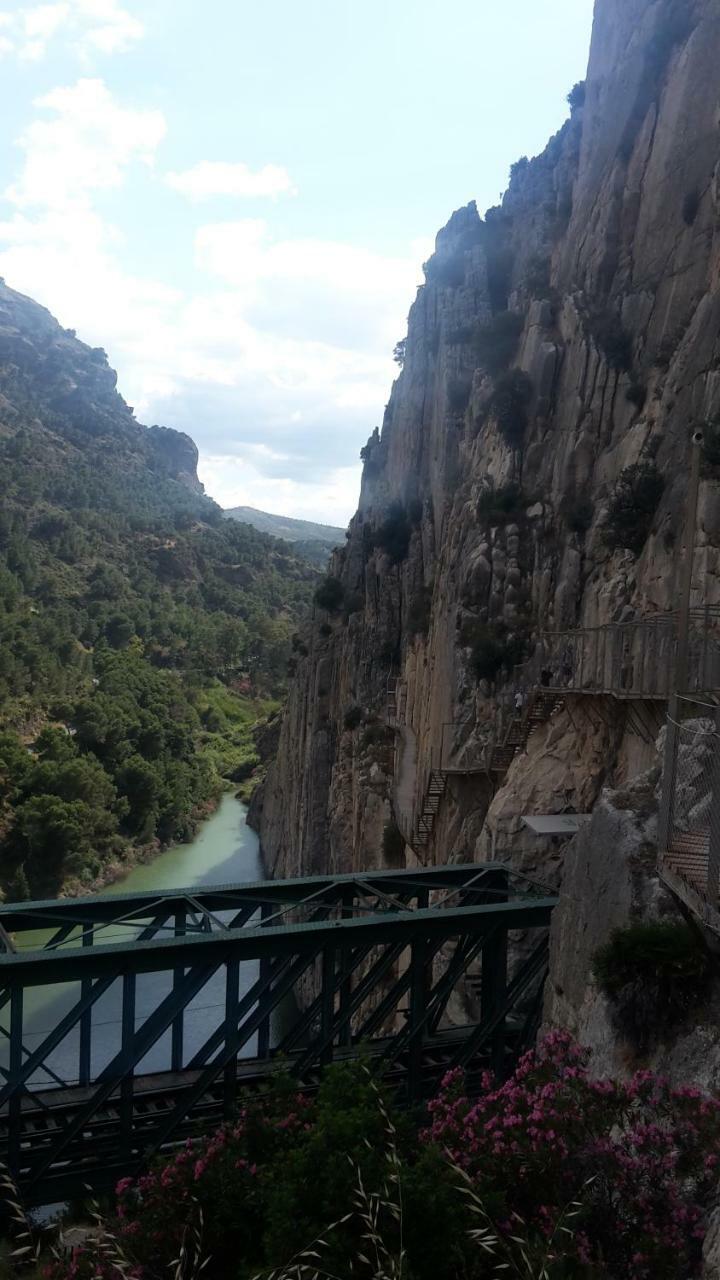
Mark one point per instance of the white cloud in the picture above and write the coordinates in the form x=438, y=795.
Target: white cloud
x=87, y=26
x=331, y=501
x=221, y=178
x=276, y=359
x=86, y=145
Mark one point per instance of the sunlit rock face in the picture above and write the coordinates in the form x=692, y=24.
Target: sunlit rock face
x=565, y=336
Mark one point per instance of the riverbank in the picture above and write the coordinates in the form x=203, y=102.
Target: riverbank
x=117, y=873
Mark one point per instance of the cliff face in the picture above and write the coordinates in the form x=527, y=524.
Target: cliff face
x=50, y=377
x=569, y=335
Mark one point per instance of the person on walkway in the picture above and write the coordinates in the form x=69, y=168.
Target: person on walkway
x=519, y=704
x=545, y=677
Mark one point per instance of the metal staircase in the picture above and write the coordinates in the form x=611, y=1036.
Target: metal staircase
x=542, y=705
x=436, y=788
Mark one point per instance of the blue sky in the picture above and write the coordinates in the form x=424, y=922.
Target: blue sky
x=235, y=200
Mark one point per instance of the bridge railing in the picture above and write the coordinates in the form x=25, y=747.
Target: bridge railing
x=130, y=1023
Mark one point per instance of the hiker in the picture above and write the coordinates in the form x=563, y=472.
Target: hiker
x=545, y=677
x=519, y=703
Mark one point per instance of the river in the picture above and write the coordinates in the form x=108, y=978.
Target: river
x=224, y=851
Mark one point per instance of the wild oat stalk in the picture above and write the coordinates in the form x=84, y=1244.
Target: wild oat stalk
x=26, y=1242
x=515, y=1253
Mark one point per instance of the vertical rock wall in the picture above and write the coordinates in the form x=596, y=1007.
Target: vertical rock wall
x=599, y=272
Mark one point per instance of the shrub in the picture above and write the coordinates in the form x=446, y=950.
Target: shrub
x=325, y=629
x=447, y=271
x=501, y=505
x=518, y=167
x=637, y=1160
x=496, y=341
x=612, y=339
x=576, y=96
x=578, y=514
x=640, y=1158
x=353, y=717
x=330, y=594
x=691, y=206
x=537, y=275
x=637, y=394
x=666, y=349
x=377, y=735
x=298, y=646
x=492, y=648
x=393, y=845
x=500, y=263
x=418, y=617
x=458, y=394
x=393, y=535
x=653, y=974
x=399, y=352
x=509, y=404
x=632, y=507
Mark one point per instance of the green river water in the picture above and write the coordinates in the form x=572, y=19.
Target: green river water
x=224, y=851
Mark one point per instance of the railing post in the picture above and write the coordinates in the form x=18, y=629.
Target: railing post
x=493, y=982
x=418, y=1001
x=127, y=1082
x=85, y=1055
x=669, y=774
x=177, y=1033
x=15, y=1066
x=713, y=880
x=263, y=1039
x=232, y=999
x=327, y=1004
x=345, y=1034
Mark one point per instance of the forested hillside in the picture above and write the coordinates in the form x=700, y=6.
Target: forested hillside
x=141, y=633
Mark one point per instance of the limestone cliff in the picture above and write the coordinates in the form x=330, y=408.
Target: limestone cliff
x=49, y=376
x=566, y=336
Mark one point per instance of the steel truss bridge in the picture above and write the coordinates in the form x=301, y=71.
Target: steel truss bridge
x=130, y=1023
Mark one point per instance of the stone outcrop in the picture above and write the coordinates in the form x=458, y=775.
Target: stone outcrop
x=49, y=376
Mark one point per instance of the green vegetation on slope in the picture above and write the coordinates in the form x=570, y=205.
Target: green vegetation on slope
x=141, y=633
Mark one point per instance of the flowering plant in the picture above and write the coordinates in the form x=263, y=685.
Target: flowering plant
x=641, y=1158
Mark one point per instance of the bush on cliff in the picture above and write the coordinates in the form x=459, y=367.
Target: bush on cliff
x=653, y=974
x=330, y=594
x=632, y=507
x=496, y=341
x=509, y=405
x=552, y=1173
x=394, y=534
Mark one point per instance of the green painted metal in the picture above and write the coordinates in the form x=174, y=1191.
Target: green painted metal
x=373, y=960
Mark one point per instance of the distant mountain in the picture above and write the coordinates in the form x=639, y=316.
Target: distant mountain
x=313, y=541
x=141, y=634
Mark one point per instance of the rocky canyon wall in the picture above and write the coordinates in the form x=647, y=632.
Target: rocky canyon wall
x=556, y=357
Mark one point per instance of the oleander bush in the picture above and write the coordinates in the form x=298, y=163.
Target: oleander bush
x=552, y=1174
